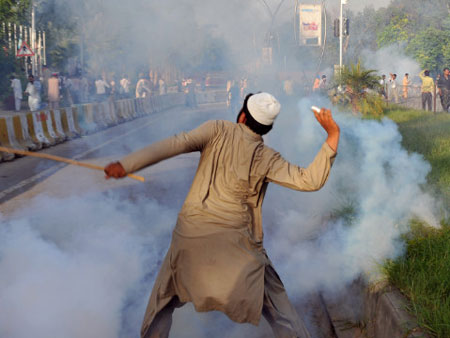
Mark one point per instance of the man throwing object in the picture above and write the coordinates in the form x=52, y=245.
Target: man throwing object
x=216, y=259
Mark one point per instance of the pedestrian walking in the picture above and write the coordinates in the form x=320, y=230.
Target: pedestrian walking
x=427, y=88
x=53, y=86
x=16, y=85
x=34, y=98
x=217, y=259
x=444, y=89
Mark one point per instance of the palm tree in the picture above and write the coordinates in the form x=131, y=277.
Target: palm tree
x=358, y=82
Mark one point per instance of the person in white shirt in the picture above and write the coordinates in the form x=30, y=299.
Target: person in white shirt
x=34, y=98
x=16, y=85
x=101, y=86
x=125, y=84
x=393, y=87
x=143, y=87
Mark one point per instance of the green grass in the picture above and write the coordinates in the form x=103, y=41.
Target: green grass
x=423, y=273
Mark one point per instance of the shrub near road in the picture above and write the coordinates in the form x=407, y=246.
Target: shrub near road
x=423, y=273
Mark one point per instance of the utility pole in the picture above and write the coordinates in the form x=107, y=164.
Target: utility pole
x=341, y=34
x=33, y=39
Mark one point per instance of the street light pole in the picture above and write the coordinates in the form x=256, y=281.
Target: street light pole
x=33, y=38
x=341, y=26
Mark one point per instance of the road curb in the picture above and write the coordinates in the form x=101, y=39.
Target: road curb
x=372, y=311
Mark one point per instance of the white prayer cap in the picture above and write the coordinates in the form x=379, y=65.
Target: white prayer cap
x=264, y=108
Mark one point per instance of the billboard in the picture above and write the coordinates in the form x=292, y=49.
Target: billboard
x=310, y=19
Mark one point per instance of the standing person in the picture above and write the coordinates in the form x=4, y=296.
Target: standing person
x=125, y=84
x=161, y=86
x=427, y=88
x=406, y=84
x=316, y=83
x=323, y=85
x=16, y=85
x=217, y=259
x=34, y=99
x=100, y=86
x=53, y=91
x=383, y=86
x=143, y=87
x=393, y=91
x=444, y=89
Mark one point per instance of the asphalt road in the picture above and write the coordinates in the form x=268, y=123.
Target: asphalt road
x=23, y=173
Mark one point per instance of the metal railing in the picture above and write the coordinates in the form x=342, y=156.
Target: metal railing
x=411, y=97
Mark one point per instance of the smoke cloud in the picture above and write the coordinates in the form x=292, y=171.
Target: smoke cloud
x=391, y=59
x=325, y=239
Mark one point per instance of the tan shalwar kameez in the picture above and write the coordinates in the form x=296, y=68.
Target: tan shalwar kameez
x=216, y=259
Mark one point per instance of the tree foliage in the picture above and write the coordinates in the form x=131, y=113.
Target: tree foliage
x=431, y=48
x=423, y=26
x=361, y=87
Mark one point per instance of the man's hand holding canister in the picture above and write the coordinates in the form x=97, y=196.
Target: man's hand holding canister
x=325, y=119
x=115, y=170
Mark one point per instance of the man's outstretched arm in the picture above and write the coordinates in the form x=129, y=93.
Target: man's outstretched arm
x=181, y=143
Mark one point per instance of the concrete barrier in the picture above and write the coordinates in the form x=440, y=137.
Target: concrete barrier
x=121, y=111
x=99, y=115
x=68, y=123
x=21, y=132
x=36, y=130
x=6, y=139
x=140, y=106
x=32, y=131
x=57, y=124
x=112, y=113
x=132, y=108
x=47, y=125
x=84, y=117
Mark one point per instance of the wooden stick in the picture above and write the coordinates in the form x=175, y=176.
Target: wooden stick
x=62, y=159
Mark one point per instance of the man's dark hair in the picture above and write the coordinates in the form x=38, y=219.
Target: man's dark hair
x=427, y=73
x=446, y=68
x=254, y=125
